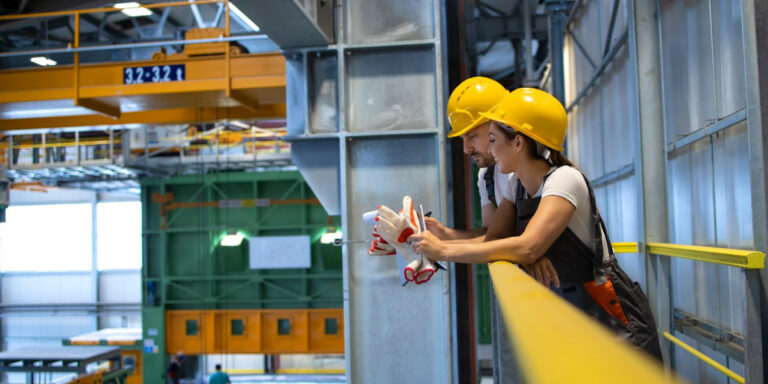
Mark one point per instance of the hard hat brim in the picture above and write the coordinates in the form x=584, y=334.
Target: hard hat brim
x=455, y=133
x=525, y=132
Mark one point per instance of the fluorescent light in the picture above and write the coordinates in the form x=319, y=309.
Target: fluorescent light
x=245, y=19
x=133, y=9
x=42, y=61
x=232, y=239
x=127, y=5
x=330, y=237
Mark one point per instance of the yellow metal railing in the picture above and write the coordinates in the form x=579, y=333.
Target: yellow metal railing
x=746, y=259
x=733, y=257
x=558, y=343
x=705, y=358
x=625, y=247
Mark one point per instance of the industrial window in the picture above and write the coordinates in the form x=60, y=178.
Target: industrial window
x=237, y=327
x=191, y=327
x=51, y=237
x=283, y=326
x=118, y=235
x=331, y=326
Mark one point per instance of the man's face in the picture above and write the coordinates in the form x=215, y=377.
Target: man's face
x=477, y=145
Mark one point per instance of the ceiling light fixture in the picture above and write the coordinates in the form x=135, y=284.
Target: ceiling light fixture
x=133, y=9
x=42, y=61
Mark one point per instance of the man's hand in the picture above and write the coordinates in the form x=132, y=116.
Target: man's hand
x=543, y=271
x=437, y=228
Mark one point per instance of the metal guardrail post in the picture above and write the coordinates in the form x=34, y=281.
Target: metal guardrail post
x=753, y=332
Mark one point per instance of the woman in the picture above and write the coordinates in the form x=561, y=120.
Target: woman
x=555, y=215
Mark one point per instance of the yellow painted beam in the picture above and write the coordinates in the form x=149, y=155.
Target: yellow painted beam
x=252, y=80
x=748, y=259
x=160, y=117
x=244, y=99
x=625, y=247
x=107, y=9
x=705, y=358
x=557, y=343
x=99, y=107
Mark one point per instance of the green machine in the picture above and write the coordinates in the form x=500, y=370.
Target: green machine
x=185, y=267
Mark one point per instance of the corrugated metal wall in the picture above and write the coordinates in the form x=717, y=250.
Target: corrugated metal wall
x=709, y=183
x=708, y=165
x=602, y=133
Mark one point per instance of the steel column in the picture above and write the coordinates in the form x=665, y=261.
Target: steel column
x=652, y=161
x=530, y=80
x=558, y=14
x=462, y=282
x=755, y=34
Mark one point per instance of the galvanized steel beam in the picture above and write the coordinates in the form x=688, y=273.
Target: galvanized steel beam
x=651, y=164
x=558, y=13
x=755, y=35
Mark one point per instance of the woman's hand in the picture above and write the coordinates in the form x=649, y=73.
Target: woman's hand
x=429, y=245
x=543, y=271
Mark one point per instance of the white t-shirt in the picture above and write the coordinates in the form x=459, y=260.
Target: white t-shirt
x=568, y=183
x=502, y=185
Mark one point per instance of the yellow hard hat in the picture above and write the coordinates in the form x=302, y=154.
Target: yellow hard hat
x=534, y=113
x=469, y=99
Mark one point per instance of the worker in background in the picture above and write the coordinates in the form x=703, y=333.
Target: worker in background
x=174, y=371
x=470, y=99
x=554, y=215
x=219, y=377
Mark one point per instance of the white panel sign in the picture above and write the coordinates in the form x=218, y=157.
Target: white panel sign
x=272, y=252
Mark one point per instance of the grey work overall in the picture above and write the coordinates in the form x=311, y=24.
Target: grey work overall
x=599, y=287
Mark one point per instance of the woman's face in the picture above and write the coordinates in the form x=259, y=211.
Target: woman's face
x=503, y=149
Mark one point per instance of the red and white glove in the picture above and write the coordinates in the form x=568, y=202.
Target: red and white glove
x=425, y=272
x=395, y=229
x=379, y=246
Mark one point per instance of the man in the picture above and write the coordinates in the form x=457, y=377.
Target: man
x=468, y=100
x=174, y=371
x=219, y=377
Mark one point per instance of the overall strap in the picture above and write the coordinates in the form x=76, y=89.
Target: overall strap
x=489, y=183
x=600, y=267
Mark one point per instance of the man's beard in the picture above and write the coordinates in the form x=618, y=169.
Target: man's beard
x=480, y=160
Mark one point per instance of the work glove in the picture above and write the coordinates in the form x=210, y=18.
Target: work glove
x=379, y=246
x=425, y=272
x=395, y=229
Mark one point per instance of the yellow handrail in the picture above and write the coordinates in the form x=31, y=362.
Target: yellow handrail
x=733, y=257
x=705, y=358
x=558, y=343
x=625, y=247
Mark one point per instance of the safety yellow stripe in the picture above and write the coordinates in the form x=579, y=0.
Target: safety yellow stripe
x=625, y=247
x=705, y=358
x=733, y=257
x=287, y=371
x=557, y=343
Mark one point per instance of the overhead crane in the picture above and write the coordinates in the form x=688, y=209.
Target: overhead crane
x=212, y=81
x=37, y=98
